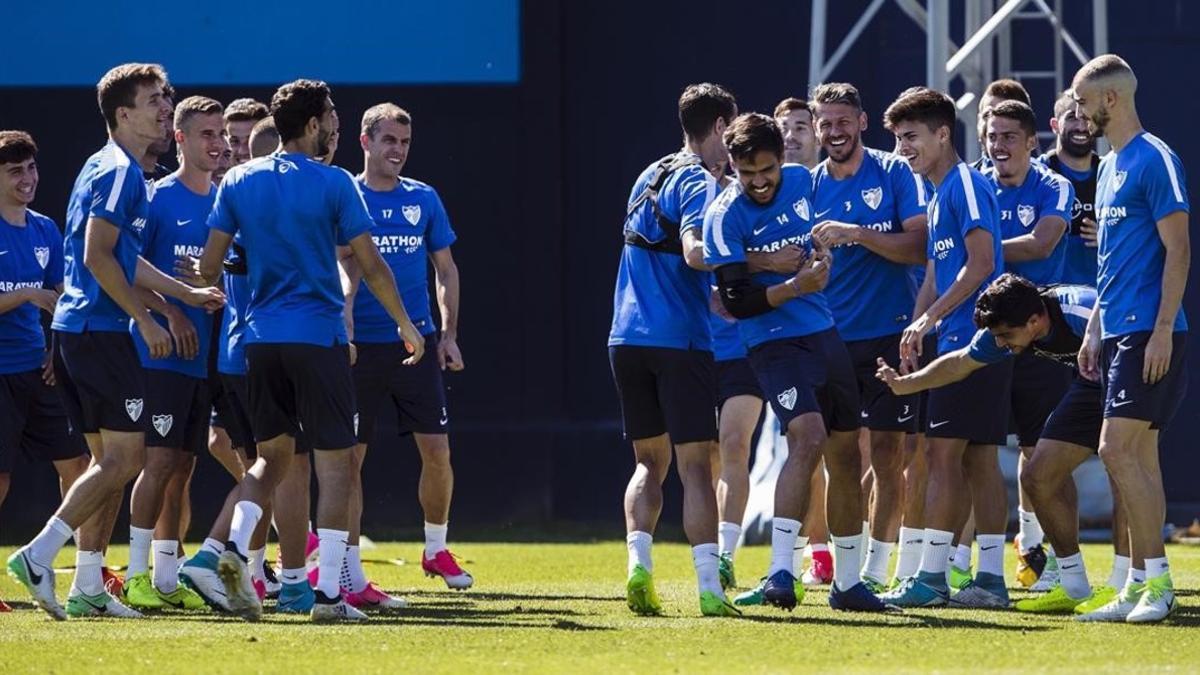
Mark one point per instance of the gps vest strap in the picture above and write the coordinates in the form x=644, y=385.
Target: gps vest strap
x=671, y=243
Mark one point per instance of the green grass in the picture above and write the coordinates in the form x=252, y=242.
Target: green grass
x=560, y=607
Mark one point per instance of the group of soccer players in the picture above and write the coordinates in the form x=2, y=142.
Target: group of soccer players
x=222, y=305
x=901, y=313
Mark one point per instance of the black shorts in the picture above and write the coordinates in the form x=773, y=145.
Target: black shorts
x=1079, y=415
x=975, y=408
x=416, y=391
x=178, y=406
x=33, y=422
x=735, y=377
x=230, y=412
x=295, y=386
x=881, y=409
x=663, y=390
x=1126, y=395
x=103, y=384
x=809, y=374
x=1038, y=384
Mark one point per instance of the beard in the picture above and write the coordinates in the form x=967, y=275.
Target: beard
x=323, y=138
x=848, y=149
x=1100, y=120
x=1077, y=149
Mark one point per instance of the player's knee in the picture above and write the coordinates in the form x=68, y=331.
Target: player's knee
x=1117, y=458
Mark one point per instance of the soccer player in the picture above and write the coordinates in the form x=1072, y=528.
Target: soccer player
x=1034, y=203
x=101, y=375
x=264, y=138
x=797, y=356
x=968, y=419
x=411, y=226
x=178, y=398
x=1003, y=89
x=290, y=210
x=870, y=208
x=240, y=117
x=1137, y=343
x=660, y=348
x=33, y=421
x=1074, y=157
x=800, y=146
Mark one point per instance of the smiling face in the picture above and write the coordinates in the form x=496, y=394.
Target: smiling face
x=1018, y=338
x=18, y=182
x=759, y=175
x=1091, y=106
x=150, y=116
x=799, y=141
x=839, y=129
x=1009, y=146
x=202, y=141
x=1073, y=134
x=919, y=144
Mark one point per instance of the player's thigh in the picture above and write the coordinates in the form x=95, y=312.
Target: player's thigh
x=1038, y=384
x=637, y=390
x=975, y=409
x=104, y=380
x=324, y=394
x=377, y=365
x=420, y=395
x=791, y=372
x=47, y=434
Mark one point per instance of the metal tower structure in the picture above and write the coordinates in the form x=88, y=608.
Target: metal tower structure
x=986, y=53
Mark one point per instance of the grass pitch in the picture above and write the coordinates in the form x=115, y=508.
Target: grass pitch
x=561, y=607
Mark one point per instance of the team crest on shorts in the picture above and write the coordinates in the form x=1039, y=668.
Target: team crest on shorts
x=42, y=253
x=162, y=424
x=801, y=208
x=873, y=197
x=133, y=407
x=1025, y=214
x=412, y=214
x=788, y=398
x=1118, y=180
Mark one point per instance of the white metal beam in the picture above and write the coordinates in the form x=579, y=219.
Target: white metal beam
x=985, y=33
x=848, y=41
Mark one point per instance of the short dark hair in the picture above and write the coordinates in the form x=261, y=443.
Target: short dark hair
x=752, y=133
x=246, y=110
x=1017, y=111
x=196, y=105
x=264, y=137
x=927, y=106
x=118, y=88
x=1063, y=103
x=380, y=112
x=701, y=105
x=791, y=103
x=837, y=92
x=16, y=146
x=1010, y=300
x=295, y=103
x=1007, y=89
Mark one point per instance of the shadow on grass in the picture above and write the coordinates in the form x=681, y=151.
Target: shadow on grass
x=910, y=621
x=517, y=597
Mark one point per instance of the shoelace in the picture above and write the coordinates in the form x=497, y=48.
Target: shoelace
x=1158, y=586
x=1131, y=592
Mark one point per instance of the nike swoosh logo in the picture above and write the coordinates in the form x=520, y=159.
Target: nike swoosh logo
x=784, y=530
x=937, y=543
x=1069, y=567
x=181, y=223
x=821, y=213
x=3, y=252
x=914, y=541
x=986, y=548
x=760, y=230
x=845, y=548
x=33, y=576
x=88, y=601
x=1118, y=405
x=934, y=425
x=902, y=420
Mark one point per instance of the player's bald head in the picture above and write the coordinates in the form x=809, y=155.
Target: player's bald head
x=1107, y=72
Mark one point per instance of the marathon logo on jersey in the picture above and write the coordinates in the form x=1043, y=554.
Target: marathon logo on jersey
x=398, y=243
x=873, y=197
x=1026, y=214
x=42, y=253
x=1112, y=215
x=133, y=408
x=163, y=424
x=412, y=214
x=182, y=250
x=798, y=240
x=943, y=247
x=788, y=398
x=801, y=208
x=10, y=286
x=1118, y=180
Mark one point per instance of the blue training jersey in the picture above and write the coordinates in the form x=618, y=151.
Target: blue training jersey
x=869, y=295
x=110, y=186
x=231, y=355
x=727, y=341
x=410, y=224
x=962, y=203
x=292, y=213
x=177, y=227
x=31, y=256
x=735, y=225
x=1042, y=194
x=1068, y=309
x=659, y=301
x=1081, y=263
x=1137, y=187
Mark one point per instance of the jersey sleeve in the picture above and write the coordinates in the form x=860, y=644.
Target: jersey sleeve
x=116, y=193
x=352, y=216
x=222, y=216
x=983, y=348
x=970, y=204
x=697, y=188
x=1056, y=195
x=439, y=234
x=724, y=233
x=1164, y=182
x=907, y=190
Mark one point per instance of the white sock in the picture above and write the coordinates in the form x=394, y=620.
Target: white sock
x=1120, y=571
x=991, y=553
x=847, y=560
x=435, y=538
x=332, y=552
x=1030, y=534
x=166, y=564
x=879, y=554
x=353, y=577
x=1136, y=576
x=246, y=515
x=212, y=546
x=784, y=532
x=49, y=541
x=256, y=564
x=727, y=537
x=1157, y=567
x=866, y=536
x=705, y=557
x=179, y=562
x=88, y=577
x=1073, y=576
x=962, y=557
x=908, y=561
x=933, y=552
x=638, y=543
x=139, y=550
x=293, y=576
